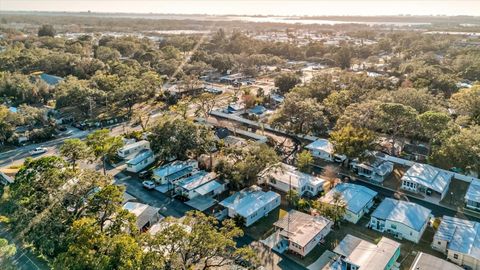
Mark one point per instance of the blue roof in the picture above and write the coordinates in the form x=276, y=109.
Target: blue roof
x=208, y=187
x=50, y=79
x=196, y=180
x=259, y=109
x=408, y=213
x=473, y=192
x=141, y=156
x=462, y=235
x=356, y=197
x=176, y=169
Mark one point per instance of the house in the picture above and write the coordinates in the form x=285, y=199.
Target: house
x=141, y=161
x=200, y=183
x=426, y=179
x=459, y=239
x=402, y=219
x=251, y=203
x=132, y=149
x=51, y=80
x=285, y=177
x=355, y=253
x=146, y=215
x=376, y=170
x=258, y=110
x=358, y=199
x=424, y=261
x=174, y=171
x=5, y=179
x=472, y=198
x=300, y=232
x=323, y=149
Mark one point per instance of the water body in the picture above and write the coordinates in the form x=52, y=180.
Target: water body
x=292, y=20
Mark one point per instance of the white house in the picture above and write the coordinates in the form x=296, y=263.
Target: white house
x=424, y=261
x=472, y=198
x=200, y=183
x=300, y=232
x=132, y=149
x=323, y=149
x=141, y=161
x=146, y=215
x=402, y=219
x=357, y=254
x=377, y=170
x=174, y=171
x=426, y=179
x=251, y=203
x=357, y=199
x=459, y=239
x=285, y=177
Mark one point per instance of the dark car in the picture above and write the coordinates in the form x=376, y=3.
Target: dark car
x=145, y=174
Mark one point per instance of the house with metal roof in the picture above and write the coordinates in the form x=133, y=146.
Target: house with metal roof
x=323, y=149
x=356, y=253
x=357, y=199
x=251, y=203
x=140, y=161
x=459, y=239
x=424, y=261
x=405, y=220
x=377, y=169
x=284, y=177
x=131, y=149
x=300, y=232
x=146, y=215
x=472, y=197
x=174, y=171
x=426, y=179
x=200, y=183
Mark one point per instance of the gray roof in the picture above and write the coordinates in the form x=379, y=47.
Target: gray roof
x=425, y=261
x=249, y=200
x=462, y=235
x=473, y=192
x=356, y=197
x=321, y=145
x=428, y=176
x=408, y=213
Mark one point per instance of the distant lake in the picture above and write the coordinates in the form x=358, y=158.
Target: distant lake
x=292, y=20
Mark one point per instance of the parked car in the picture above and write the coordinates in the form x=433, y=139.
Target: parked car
x=145, y=174
x=38, y=151
x=148, y=184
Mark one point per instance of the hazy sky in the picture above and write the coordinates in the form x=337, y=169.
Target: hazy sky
x=251, y=7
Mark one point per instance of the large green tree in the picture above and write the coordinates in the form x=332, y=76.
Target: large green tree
x=286, y=81
x=7, y=251
x=75, y=150
x=103, y=145
x=352, y=142
x=466, y=103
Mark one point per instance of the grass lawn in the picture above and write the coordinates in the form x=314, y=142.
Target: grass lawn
x=264, y=226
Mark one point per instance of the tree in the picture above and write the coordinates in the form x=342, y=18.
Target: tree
x=205, y=104
x=305, y=161
x=467, y=103
x=46, y=30
x=334, y=210
x=74, y=150
x=7, y=124
x=461, y=150
x=180, y=138
x=433, y=123
x=7, y=251
x=292, y=198
x=343, y=57
x=352, y=142
x=103, y=145
x=198, y=242
x=286, y=81
x=330, y=173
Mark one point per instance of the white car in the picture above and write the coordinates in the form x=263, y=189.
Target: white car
x=38, y=151
x=148, y=184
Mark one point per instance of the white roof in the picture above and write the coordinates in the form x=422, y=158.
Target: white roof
x=473, y=192
x=425, y=261
x=196, y=180
x=321, y=145
x=301, y=228
x=354, y=196
x=135, y=144
x=408, y=213
x=141, y=156
x=367, y=255
x=462, y=235
x=175, y=167
x=249, y=200
x=290, y=175
x=428, y=176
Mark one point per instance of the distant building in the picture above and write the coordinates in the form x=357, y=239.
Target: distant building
x=174, y=171
x=472, y=197
x=140, y=161
x=132, y=149
x=357, y=199
x=459, y=239
x=426, y=179
x=323, y=149
x=357, y=254
x=285, y=177
x=251, y=203
x=51, y=80
x=405, y=220
x=300, y=232
x=424, y=261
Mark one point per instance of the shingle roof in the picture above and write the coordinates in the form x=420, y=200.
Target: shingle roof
x=354, y=196
x=408, y=213
x=428, y=176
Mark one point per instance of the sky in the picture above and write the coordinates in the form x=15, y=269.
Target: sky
x=255, y=7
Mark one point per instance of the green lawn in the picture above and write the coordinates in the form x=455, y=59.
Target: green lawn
x=264, y=227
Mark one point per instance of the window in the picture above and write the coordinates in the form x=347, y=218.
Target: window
x=393, y=226
x=439, y=242
x=273, y=181
x=455, y=256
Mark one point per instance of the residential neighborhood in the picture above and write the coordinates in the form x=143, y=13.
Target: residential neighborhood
x=149, y=140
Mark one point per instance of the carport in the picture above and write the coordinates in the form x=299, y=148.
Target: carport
x=201, y=203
